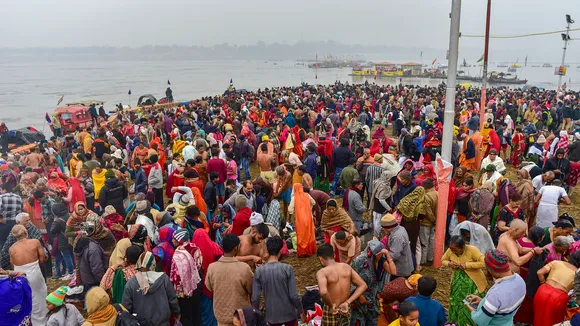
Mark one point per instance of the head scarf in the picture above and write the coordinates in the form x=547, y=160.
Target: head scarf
x=482, y=200
x=138, y=235
x=564, y=142
x=335, y=217
x=381, y=189
x=375, y=147
x=99, y=308
x=164, y=250
x=78, y=193
x=198, y=200
x=77, y=218
x=412, y=205
x=458, y=179
x=118, y=255
x=480, y=237
x=367, y=257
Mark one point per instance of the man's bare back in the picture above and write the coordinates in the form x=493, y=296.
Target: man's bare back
x=334, y=283
x=26, y=251
x=34, y=160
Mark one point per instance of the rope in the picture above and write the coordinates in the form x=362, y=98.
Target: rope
x=522, y=35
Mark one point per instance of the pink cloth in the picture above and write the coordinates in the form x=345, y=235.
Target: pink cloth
x=184, y=274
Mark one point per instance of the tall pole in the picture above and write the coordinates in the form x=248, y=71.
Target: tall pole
x=449, y=113
x=564, y=52
x=485, y=57
x=448, y=116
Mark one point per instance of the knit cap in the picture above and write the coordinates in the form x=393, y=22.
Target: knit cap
x=181, y=236
x=57, y=297
x=497, y=261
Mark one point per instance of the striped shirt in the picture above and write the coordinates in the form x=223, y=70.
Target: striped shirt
x=373, y=173
x=10, y=206
x=501, y=302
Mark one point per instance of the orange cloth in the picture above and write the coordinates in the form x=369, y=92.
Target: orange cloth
x=159, y=151
x=477, y=138
x=199, y=201
x=306, y=241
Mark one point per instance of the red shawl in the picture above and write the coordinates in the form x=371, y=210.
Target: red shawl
x=78, y=194
x=241, y=221
x=210, y=252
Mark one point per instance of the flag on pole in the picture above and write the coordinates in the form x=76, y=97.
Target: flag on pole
x=231, y=81
x=47, y=117
x=480, y=59
x=434, y=60
x=60, y=98
x=168, y=82
x=464, y=62
x=129, y=92
x=421, y=54
x=526, y=62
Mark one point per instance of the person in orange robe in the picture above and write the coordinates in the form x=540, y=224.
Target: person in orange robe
x=306, y=240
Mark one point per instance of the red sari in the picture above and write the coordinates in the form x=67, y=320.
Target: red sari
x=518, y=146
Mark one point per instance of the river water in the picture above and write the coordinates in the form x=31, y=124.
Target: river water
x=30, y=86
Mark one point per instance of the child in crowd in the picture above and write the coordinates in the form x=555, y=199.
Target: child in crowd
x=431, y=312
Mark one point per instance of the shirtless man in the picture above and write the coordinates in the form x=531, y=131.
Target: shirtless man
x=334, y=282
x=25, y=256
x=252, y=246
x=517, y=254
x=29, y=176
x=34, y=159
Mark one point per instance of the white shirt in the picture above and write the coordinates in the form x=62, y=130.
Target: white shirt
x=498, y=162
x=189, y=153
x=538, y=183
x=552, y=194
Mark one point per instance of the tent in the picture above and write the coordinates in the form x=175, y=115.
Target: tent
x=146, y=99
x=25, y=136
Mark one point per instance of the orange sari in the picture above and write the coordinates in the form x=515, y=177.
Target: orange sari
x=306, y=241
x=477, y=138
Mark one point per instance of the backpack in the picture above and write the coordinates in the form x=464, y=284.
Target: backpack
x=251, y=152
x=124, y=318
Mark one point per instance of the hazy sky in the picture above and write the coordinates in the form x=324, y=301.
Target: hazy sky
x=419, y=23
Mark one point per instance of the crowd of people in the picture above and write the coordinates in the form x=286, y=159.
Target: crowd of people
x=182, y=215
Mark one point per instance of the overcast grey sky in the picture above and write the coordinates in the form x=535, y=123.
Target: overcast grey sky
x=419, y=23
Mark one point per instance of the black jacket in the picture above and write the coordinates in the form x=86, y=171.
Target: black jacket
x=113, y=193
x=555, y=164
x=341, y=157
x=574, y=151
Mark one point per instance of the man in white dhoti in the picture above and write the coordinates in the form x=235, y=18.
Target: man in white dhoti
x=26, y=256
x=548, y=199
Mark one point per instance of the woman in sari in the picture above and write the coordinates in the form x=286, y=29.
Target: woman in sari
x=482, y=202
x=375, y=266
x=305, y=233
x=76, y=193
x=518, y=146
x=407, y=213
x=551, y=299
x=468, y=154
x=375, y=147
x=210, y=252
x=557, y=250
x=526, y=189
x=73, y=224
x=426, y=173
x=164, y=250
x=223, y=220
x=563, y=227
x=467, y=278
x=140, y=152
x=199, y=201
x=462, y=198
x=95, y=230
x=395, y=291
x=57, y=184
x=334, y=219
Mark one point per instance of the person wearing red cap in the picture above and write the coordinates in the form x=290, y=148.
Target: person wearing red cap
x=504, y=298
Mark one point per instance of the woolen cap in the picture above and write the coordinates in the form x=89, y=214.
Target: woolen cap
x=388, y=221
x=497, y=261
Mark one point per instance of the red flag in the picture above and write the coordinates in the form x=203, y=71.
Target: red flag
x=168, y=82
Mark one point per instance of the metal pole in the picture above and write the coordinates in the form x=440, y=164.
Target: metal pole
x=449, y=115
x=484, y=74
x=449, y=112
x=564, y=54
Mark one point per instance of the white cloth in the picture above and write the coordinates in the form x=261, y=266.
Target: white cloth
x=38, y=287
x=548, y=207
x=178, y=195
x=480, y=238
x=152, y=230
x=188, y=153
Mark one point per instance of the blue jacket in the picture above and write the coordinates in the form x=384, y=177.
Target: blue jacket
x=431, y=312
x=311, y=165
x=140, y=181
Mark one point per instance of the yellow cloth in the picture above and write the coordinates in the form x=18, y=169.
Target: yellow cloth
x=88, y=144
x=98, y=181
x=397, y=322
x=73, y=165
x=99, y=309
x=118, y=255
x=474, y=261
x=561, y=274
